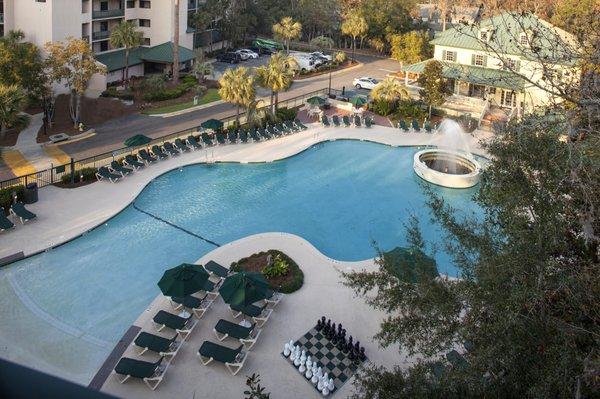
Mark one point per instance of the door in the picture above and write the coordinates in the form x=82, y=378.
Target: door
x=508, y=98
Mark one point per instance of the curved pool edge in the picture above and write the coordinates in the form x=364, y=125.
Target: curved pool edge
x=118, y=197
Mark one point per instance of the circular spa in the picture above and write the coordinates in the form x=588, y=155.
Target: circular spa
x=447, y=168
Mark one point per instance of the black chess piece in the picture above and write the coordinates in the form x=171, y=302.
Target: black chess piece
x=349, y=345
x=332, y=332
x=341, y=343
x=339, y=329
x=357, y=346
x=362, y=356
x=319, y=326
x=328, y=327
x=351, y=355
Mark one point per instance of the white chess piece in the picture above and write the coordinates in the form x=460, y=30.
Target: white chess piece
x=302, y=367
x=291, y=343
x=319, y=372
x=325, y=390
x=320, y=384
x=292, y=354
x=325, y=378
x=303, y=357
x=297, y=357
x=308, y=373
x=330, y=385
x=314, y=378
x=323, y=382
x=286, y=350
x=309, y=362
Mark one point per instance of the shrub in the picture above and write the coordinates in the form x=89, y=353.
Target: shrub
x=169, y=94
x=154, y=83
x=120, y=94
x=383, y=108
x=279, y=267
x=411, y=109
x=286, y=114
x=6, y=196
x=340, y=57
x=200, y=90
x=189, y=79
x=294, y=277
x=89, y=174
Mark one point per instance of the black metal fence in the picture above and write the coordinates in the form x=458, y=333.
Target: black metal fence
x=55, y=173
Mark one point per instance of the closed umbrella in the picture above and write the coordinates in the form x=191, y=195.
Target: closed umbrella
x=316, y=100
x=410, y=264
x=183, y=280
x=137, y=140
x=358, y=101
x=213, y=124
x=244, y=288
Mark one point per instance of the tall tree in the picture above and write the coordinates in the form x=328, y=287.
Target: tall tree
x=176, y=43
x=411, y=47
x=354, y=25
x=73, y=64
x=237, y=87
x=277, y=75
x=125, y=35
x=287, y=29
x=434, y=89
x=13, y=100
x=21, y=64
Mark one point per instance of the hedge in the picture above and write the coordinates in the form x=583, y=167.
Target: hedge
x=88, y=174
x=6, y=196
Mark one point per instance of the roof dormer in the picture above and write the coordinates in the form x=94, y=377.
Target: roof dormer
x=485, y=34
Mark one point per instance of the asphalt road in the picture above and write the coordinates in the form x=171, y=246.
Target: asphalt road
x=110, y=135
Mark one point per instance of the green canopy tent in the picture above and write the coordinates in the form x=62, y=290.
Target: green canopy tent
x=213, y=124
x=358, y=101
x=137, y=140
x=316, y=100
x=244, y=288
x=183, y=280
x=410, y=264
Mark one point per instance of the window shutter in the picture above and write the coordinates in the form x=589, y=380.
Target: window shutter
x=517, y=65
x=444, y=55
x=485, y=60
x=472, y=59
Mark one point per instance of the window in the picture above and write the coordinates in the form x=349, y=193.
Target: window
x=479, y=60
x=145, y=23
x=450, y=56
x=130, y=3
x=512, y=65
x=104, y=45
x=484, y=35
x=524, y=39
x=146, y=41
x=145, y=4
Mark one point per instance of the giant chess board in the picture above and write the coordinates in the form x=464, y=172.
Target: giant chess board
x=333, y=361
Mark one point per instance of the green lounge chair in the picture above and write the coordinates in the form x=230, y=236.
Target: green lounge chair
x=301, y=125
x=273, y=298
x=214, y=268
x=18, y=210
x=260, y=314
x=285, y=129
x=169, y=149
x=163, y=346
x=233, y=359
x=117, y=168
x=5, y=224
x=325, y=121
x=183, y=326
x=368, y=121
x=206, y=139
x=151, y=373
x=427, y=126
x=104, y=173
x=198, y=306
x=291, y=127
x=336, y=120
x=402, y=125
x=357, y=121
x=211, y=289
x=255, y=135
x=263, y=133
x=181, y=146
x=346, y=120
x=273, y=131
x=415, y=125
x=243, y=136
x=232, y=137
x=246, y=335
x=144, y=156
x=132, y=162
x=158, y=152
x=220, y=138
x=193, y=143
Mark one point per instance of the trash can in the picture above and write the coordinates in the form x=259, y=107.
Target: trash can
x=30, y=193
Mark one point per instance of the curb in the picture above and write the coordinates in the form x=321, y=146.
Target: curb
x=187, y=110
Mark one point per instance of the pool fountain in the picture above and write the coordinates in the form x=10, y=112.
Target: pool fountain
x=451, y=164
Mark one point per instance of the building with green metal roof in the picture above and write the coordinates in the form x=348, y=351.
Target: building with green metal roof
x=503, y=61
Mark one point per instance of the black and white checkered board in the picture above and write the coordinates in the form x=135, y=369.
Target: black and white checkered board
x=329, y=358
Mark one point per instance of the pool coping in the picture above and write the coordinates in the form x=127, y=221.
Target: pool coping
x=19, y=254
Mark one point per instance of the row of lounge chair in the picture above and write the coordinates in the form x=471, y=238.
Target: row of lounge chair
x=116, y=171
x=17, y=211
x=414, y=126
x=152, y=373
x=347, y=121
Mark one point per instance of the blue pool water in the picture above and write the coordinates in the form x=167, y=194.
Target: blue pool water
x=340, y=196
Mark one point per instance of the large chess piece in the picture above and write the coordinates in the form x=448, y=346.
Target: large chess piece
x=308, y=373
x=297, y=357
x=349, y=345
x=319, y=326
x=341, y=343
x=330, y=385
x=325, y=390
x=302, y=368
x=327, y=327
x=286, y=350
x=332, y=331
x=309, y=362
x=314, y=378
x=292, y=354
x=320, y=384
x=362, y=356
x=325, y=379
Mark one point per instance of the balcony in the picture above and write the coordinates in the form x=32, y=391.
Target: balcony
x=101, y=35
x=116, y=13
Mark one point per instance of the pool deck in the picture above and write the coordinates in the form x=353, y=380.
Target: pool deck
x=321, y=295
x=64, y=214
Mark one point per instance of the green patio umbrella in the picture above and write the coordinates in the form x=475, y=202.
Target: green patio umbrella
x=213, y=124
x=410, y=264
x=358, y=101
x=137, y=140
x=244, y=288
x=316, y=100
x=183, y=280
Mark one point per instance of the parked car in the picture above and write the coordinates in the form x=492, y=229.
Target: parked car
x=364, y=83
x=247, y=54
x=305, y=62
x=230, y=57
x=318, y=54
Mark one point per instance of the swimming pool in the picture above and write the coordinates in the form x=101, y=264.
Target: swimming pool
x=70, y=305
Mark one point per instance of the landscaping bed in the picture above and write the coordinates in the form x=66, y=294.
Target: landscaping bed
x=325, y=70
x=287, y=282
x=184, y=102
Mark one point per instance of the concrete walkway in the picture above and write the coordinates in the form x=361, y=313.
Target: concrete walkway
x=321, y=295
x=64, y=214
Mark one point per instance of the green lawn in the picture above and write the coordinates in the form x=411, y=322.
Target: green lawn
x=210, y=96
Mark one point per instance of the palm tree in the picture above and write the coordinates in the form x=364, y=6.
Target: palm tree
x=389, y=90
x=125, y=35
x=354, y=25
x=237, y=87
x=176, y=44
x=255, y=113
x=13, y=100
x=288, y=30
x=277, y=75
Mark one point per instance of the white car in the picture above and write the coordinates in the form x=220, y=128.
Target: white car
x=364, y=83
x=247, y=54
x=318, y=54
